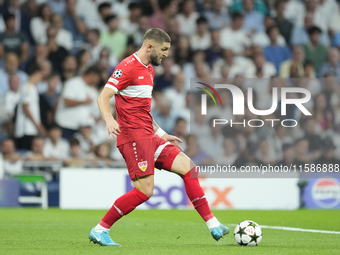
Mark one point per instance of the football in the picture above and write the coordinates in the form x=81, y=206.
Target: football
x=248, y=233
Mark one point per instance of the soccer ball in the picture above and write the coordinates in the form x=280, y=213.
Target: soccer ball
x=248, y=233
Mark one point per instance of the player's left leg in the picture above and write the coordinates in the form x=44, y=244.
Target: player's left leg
x=185, y=167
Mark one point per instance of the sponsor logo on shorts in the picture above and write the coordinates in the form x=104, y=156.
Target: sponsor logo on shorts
x=143, y=165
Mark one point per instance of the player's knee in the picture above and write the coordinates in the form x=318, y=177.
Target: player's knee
x=148, y=191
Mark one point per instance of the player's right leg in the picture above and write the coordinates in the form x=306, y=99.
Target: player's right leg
x=143, y=190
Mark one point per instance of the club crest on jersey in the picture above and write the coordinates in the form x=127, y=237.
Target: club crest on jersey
x=143, y=165
x=118, y=73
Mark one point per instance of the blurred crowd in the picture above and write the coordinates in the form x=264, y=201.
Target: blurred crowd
x=56, y=55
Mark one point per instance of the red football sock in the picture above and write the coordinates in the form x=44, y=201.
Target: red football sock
x=122, y=206
x=196, y=195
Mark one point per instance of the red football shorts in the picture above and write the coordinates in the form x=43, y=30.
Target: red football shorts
x=142, y=156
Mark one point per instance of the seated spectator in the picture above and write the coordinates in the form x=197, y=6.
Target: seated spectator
x=30, y=8
x=73, y=23
x=51, y=95
x=55, y=146
x=167, y=10
x=265, y=153
x=11, y=98
x=95, y=47
x=11, y=67
x=12, y=160
x=83, y=61
x=228, y=153
x=247, y=158
x=259, y=5
x=284, y=25
x=85, y=137
x=332, y=65
x=295, y=12
x=289, y=155
x=69, y=68
x=129, y=24
x=64, y=37
x=323, y=116
x=183, y=52
x=77, y=157
x=196, y=154
x=187, y=18
x=136, y=39
x=328, y=156
x=214, y=53
x=40, y=24
x=180, y=130
x=298, y=56
x=93, y=13
x=302, y=152
x=253, y=19
x=58, y=6
x=201, y=40
x=314, y=50
x=37, y=153
x=114, y=34
x=40, y=54
x=75, y=101
x=56, y=53
x=312, y=130
x=234, y=38
x=217, y=16
x=28, y=123
x=13, y=41
x=300, y=33
x=102, y=153
x=261, y=68
x=274, y=53
x=177, y=93
x=166, y=79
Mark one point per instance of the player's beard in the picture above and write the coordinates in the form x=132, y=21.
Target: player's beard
x=154, y=59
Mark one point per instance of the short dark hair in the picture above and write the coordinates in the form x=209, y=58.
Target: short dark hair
x=92, y=70
x=134, y=5
x=33, y=68
x=236, y=15
x=52, y=75
x=41, y=8
x=8, y=16
x=52, y=126
x=74, y=142
x=163, y=4
x=158, y=35
x=95, y=31
x=308, y=63
x=201, y=20
x=103, y=6
x=270, y=29
x=314, y=29
x=109, y=18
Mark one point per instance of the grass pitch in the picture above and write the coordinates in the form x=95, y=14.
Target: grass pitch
x=55, y=231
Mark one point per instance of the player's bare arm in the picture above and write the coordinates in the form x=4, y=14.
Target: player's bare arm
x=170, y=138
x=104, y=106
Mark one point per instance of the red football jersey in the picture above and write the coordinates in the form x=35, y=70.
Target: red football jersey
x=133, y=83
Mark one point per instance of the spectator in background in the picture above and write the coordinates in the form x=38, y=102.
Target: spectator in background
x=167, y=10
x=102, y=153
x=64, y=37
x=114, y=34
x=201, y=40
x=40, y=24
x=301, y=151
x=22, y=20
x=259, y=5
x=288, y=152
x=56, y=53
x=130, y=24
x=166, y=79
x=234, y=38
x=187, y=19
x=77, y=158
x=328, y=156
x=333, y=64
x=323, y=115
x=247, y=158
x=30, y=8
x=74, y=23
x=136, y=39
x=55, y=146
x=253, y=20
x=12, y=41
x=12, y=160
x=40, y=54
x=274, y=53
x=298, y=56
x=95, y=47
x=37, y=153
x=265, y=154
x=180, y=130
x=104, y=10
x=228, y=152
x=217, y=17
x=83, y=61
x=197, y=155
x=177, y=93
x=51, y=95
x=28, y=123
x=58, y=6
x=69, y=68
x=314, y=50
x=85, y=137
x=214, y=53
x=75, y=102
x=11, y=67
x=183, y=52
x=261, y=69
x=46, y=68
x=300, y=33
x=295, y=12
x=284, y=25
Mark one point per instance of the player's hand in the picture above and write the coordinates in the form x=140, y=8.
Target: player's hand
x=112, y=127
x=173, y=140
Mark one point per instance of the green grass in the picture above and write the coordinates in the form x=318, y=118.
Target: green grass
x=54, y=231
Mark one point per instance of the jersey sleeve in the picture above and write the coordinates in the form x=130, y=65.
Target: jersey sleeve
x=120, y=78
